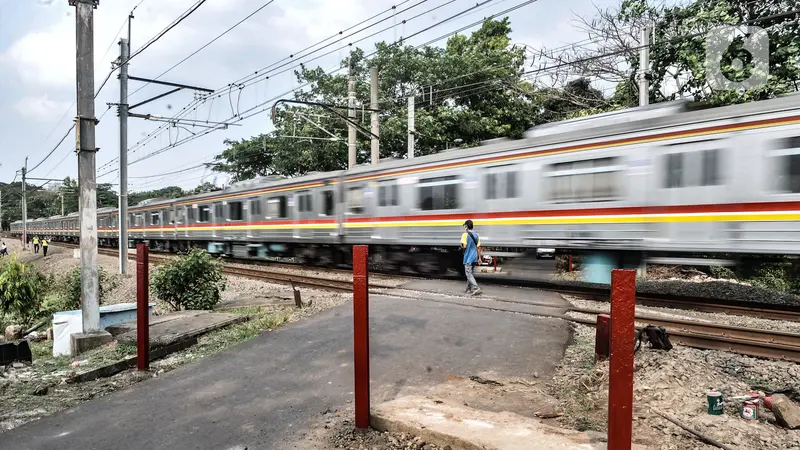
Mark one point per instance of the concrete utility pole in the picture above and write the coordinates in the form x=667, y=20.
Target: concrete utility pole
x=644, y=67
x=376, y=128
x=24, y=207
x=62, y=202
x=411, y=130
x=87, y=171
x=124, y=54
x=351, y=113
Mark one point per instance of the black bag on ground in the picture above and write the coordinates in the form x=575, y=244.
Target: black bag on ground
x=656, y=336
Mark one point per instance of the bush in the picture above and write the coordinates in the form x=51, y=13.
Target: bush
x=69, y=292
x=192, y=281
x=722, y=273
x=20, y=291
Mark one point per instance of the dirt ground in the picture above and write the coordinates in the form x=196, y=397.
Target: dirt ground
x=676, y=383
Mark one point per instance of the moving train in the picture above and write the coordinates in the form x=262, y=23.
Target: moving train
x=661, y=179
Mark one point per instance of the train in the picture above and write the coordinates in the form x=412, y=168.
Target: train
x=662, y=179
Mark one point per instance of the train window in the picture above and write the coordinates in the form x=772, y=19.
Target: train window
x=204, y=214
x=139, y=220
x=700, y=168
x=182, y=215
x=235, y=211
x=788, y=165
x=192, y=211
x=438, y=193
x=674, y=174
x=276, y=207
x=388, y=194
x=255, y=207
x=711, y=168
x=131, y=220
x=592, y=180
x=328, y=203
x=304, y=203
x=500, y=185
x=355, y=200
x=219, y=210
x=155, y=219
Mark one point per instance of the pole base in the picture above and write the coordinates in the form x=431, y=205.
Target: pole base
x=83, y=342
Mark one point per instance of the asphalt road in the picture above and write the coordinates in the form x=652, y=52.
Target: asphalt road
x=270, y=391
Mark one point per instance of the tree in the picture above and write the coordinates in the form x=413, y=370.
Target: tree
x=20, y=290
x=471, y=90
x=678, y=51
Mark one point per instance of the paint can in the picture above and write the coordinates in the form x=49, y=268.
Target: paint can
x=716, y=405
x=750, y=410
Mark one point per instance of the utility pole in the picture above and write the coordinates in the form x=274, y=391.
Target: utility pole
x=373, y=91
x=644, y=67
x=411, y=130
x=24, y=207
x=62, y=202
x=87, y=170
x=351, y=113
x=124, y=54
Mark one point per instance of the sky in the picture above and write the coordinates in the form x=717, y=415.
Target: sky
x=37, y=70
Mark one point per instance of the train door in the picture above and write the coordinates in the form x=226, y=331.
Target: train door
x=690, y=175
x=218, y=219
x=255, y=216
x=327, y=210
x=388, y=205
x=304, y=214
x=235, y=219
x=182, y=222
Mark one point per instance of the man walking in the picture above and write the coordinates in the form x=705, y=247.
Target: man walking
x=44, y=247
x=470, y=243
x=36, y=244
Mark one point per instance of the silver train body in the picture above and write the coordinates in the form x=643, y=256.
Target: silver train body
x=662, y=178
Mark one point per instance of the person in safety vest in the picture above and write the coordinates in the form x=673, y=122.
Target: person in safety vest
x=36, y=244
x=44, y=246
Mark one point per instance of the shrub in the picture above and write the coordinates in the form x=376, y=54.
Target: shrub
x=191, y=281
x=20, y=289
x=69, y=292
x=722, y=273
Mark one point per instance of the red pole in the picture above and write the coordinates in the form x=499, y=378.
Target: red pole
x=602, y=338
x=620, y=391
x=361, y=333
x=570, y=263
x=142, y=307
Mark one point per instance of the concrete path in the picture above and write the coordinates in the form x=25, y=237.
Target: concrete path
x=270, y=391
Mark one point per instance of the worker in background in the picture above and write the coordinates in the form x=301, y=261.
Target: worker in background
x=36, y=244
x=44, y=247
x=470, y=243
x=3, y=250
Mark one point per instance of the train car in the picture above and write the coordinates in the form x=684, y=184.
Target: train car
x=658, y=179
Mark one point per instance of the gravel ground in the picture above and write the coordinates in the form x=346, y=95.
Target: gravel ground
x=676, y=383
x=320, y=272
x=725, y=319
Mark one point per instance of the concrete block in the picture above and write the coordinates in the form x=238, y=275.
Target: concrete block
x=464, y=428
x=83, y=342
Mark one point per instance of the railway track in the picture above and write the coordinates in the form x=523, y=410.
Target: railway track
x=699, y=334
x=717, y=306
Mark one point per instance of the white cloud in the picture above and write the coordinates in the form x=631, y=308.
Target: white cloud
x=41, y=108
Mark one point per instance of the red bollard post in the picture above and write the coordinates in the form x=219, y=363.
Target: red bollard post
x=570, y=263
x=602, y=338
x=620, y=391
x=142, y=307
x=361, y=333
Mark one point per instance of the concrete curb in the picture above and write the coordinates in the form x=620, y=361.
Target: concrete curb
x=380, y=423
x=129, y=362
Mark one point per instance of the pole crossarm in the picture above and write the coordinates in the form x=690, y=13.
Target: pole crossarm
x=192, y=122
x=327, y=107
x=167, y=83
x=44, y=179
x=155, y=98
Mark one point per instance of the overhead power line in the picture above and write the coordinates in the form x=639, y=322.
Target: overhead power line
x=254, y=110
x=206, y=45
x=186, y=109
x=172, y=25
